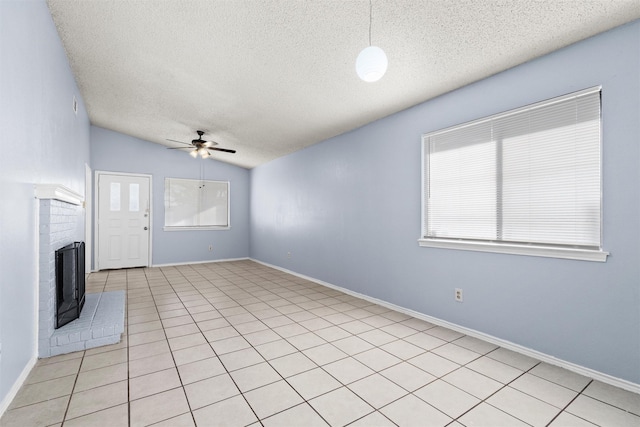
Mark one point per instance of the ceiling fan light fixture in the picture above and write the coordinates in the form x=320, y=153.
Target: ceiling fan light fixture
x=371, y=64
x=200, y=147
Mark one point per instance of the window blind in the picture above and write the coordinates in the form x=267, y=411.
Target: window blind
x=196, y=203
x=530, y=175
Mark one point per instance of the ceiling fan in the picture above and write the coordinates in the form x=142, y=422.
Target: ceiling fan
x=200, y=146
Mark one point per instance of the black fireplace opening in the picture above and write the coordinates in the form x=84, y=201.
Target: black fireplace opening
x=69, y=283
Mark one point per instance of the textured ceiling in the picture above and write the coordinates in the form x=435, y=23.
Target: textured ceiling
x=269, y=77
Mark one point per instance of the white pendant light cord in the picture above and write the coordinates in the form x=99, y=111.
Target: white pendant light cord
x=370, y=19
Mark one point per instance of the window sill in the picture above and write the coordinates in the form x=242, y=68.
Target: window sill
x=210, y=228
x=514, y=249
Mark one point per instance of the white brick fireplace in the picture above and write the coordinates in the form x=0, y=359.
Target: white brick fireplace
x=101, y=322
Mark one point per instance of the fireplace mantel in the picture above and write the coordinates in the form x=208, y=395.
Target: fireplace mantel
x=58, y=192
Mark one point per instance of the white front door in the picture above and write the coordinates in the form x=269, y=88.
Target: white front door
x=123, y=221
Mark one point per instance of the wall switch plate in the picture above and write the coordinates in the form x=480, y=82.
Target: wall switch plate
x=458, y=295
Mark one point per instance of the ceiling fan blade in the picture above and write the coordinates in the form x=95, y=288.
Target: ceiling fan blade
x=222, y=149
x=177, y=148
x=179, y=142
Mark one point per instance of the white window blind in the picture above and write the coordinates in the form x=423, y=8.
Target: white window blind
x=190, y=203
x=528, y=176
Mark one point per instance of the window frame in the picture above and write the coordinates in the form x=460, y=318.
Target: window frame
x=197, y=227
x=516, y=248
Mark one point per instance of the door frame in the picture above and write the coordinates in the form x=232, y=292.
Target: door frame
x=88, y=220
x=96, y=207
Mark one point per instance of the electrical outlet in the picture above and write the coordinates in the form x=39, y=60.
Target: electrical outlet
x=458, y=295
x=210, y=248
x=288, y=255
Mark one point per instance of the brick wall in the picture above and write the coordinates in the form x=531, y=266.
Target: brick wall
x=59, y=225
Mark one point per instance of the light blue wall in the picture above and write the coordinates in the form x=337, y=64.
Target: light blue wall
x=348, y=210
x=41, y=141
x=115, y=152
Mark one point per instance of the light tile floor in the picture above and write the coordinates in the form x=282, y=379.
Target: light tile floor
x=238, y=343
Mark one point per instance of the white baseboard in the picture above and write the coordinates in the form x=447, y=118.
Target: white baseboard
x=174, y=264
x=596, y=375
x=16, y=386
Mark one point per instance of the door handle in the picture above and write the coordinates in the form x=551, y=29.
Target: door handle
x=146, y=228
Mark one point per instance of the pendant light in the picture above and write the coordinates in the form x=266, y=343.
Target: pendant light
x=372, y=61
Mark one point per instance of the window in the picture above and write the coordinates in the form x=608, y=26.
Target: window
x=114, y=197
x=526, y=181
x=195, y=204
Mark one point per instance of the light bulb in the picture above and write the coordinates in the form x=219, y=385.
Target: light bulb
x=371, y=64
x=194, y=153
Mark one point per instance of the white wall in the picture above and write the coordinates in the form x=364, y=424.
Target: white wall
x=348, y=210
x=115, y=152
x=41, y=141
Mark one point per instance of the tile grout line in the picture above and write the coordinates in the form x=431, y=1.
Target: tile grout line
x=569, y=404
x=75, y=381
x=128, y=351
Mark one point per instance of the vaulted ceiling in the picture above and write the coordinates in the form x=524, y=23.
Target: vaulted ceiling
x=269, y=77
